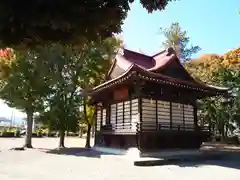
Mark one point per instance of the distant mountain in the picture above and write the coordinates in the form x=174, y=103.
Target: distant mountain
x=3, y=119
x=16, y=121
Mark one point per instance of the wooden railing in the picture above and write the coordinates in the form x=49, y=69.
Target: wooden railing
x=152, y=126
x=120, y=127
x=148, y=127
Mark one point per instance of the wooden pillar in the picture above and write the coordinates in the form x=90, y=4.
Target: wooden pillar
x=170, y=115
x=138, y=90
x=108, y=114
x=101, y=118
x=195, y=117
x=139, y=96
x=183, y=118
x=123, y=113
x=140, y=111
x=96, y=134
x=116, y=116
x=156, y=115
x=131, y=111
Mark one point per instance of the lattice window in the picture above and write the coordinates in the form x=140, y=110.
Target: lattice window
x=177, y=115
x=104, y=117
x=134, y=114
x=99, y=115
x=127, y=118
x=163, y=111
x=189, y=116
x=134, y=107
x=120, y=114
x=149, y=114
x=113, y=114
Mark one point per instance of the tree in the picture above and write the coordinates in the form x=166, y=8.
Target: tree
x=61, y=112
x=219, y=112
x=72, y=70
x=93, y=73
x=179, y=40
x=42, y=21
x=23, y=83
x=88, y=118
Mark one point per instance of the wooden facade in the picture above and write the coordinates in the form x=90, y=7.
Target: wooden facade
x=149, y=102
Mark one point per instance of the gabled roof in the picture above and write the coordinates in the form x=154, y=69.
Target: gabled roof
x=164, y=66
x=165, y=62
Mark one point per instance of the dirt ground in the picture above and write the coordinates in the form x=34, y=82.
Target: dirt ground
x=75, y=163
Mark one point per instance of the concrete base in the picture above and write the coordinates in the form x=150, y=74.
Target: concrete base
x=134, y=152
x=161, y=157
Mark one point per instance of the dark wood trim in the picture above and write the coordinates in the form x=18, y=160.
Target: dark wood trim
x=108, y=114
x=156, y=114
x=195, y=117
x=95, y=126
x=130, y=110
x=183, y=117
x=101, y=123
x=140, y=110
x=167, y=98
x=170, y=115
x=123, y=113
x=116, y=115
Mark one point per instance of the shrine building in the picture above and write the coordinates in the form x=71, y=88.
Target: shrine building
x=150, y=103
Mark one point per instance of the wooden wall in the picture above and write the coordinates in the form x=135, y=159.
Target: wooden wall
x=123, y=116
x=156, y=115
x=164, y=115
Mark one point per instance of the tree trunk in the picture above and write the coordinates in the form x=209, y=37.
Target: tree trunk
x=61, y=139
x=28, y=137
x=88, y=138
x=87, y=145
x=80, y=132
x=93, y=131
x=226, y=130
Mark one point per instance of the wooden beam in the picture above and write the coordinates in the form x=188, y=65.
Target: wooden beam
x=170, y=115
x=156, y=114
x=195, y=116
x=183, y=117
x=101, y=118
x=123, y=112
x=116, y=116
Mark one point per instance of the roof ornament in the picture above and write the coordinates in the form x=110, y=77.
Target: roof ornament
x=170, y=50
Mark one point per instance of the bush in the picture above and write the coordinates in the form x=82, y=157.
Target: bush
x=17, y=133
x=7, y=134
x=39, y=134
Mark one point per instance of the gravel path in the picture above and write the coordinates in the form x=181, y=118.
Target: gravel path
x=77, y=163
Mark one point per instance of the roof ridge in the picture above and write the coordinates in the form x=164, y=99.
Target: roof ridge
x=137, y=52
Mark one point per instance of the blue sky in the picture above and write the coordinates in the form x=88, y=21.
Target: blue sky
x=214, y=25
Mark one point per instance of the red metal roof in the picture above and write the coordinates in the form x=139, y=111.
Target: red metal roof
x=152, y=66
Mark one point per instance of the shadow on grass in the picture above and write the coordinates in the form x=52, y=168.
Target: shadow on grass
x=224, y=159
x=76, y=151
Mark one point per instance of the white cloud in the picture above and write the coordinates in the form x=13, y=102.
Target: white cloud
x=8, y=112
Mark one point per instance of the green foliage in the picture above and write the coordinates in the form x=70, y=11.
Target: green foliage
x=90, y=114
x=61, y=104
x=179, y=40
x=23, y=84
x=42, y=21
x=72, y=69
x=219, y=112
